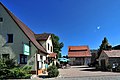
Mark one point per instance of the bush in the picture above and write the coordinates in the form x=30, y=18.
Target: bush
x=52, y=71
x=20, y=72
x=118, y=69
x=109, y=67
x=97, y=67
x=8, y=69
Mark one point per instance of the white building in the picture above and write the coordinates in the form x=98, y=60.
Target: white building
x=46, y=40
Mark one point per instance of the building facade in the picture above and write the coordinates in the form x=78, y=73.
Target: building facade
x=18, y=42
x=109, y=57
x=45, y=39
x=79, y=55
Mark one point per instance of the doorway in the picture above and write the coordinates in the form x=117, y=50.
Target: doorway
x=103, y=64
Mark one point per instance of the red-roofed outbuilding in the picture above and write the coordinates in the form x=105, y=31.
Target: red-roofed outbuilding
x=79, y=55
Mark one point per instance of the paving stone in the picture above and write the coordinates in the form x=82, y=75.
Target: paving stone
x=85, y=73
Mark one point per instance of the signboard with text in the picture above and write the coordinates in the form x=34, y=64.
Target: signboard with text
x=26, y=49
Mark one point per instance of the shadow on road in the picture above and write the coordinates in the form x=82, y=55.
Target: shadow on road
x=87, y=68
x=90, y=69
x=93, y=70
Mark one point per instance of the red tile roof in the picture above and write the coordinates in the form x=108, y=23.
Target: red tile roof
x=78, y=51
x=78, y=47
x=42, y=37
x=25, y=29
x=52, y=54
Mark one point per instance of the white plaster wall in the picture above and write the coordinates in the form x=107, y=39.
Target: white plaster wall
x=45, y=44
x=44, y=58
x=71, y=61
x=49, y=40
x=87, y=60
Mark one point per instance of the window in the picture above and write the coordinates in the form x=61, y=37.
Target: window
x=10, y=38
x=23, y=59
x=1, y=19
x=78, y=50
x=41, y=58
x=51, y=49
x=40, y=63
x=5, y=56
x=48, y=46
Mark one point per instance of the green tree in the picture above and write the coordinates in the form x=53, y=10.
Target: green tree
x=116, y=47
x=57, y=45
x=104, y=46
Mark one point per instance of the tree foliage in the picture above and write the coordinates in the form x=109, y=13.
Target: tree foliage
x=57, y=45
x=104, y=46
x=116, y=47
x=10, y=70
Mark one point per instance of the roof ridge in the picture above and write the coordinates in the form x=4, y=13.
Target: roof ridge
x=43, y=36
x=44, y=33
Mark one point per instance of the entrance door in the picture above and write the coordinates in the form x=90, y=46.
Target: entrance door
x=39, y=67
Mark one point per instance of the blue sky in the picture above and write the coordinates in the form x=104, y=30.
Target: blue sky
x=76, y=22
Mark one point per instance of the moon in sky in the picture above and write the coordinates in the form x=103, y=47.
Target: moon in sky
x=98, y=27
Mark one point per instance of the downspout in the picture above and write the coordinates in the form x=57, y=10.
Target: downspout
x=1, y=28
